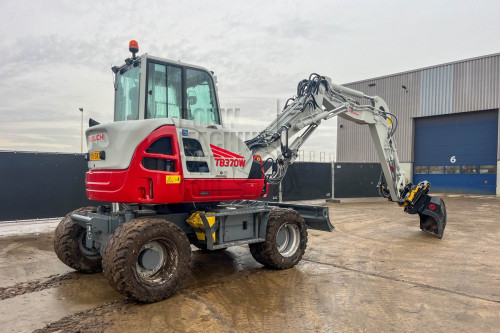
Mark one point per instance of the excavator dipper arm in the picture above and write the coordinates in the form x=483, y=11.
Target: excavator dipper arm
x=319, y=99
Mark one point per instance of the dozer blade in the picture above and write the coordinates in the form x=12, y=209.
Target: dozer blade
x=316, y=217
x=432, y=212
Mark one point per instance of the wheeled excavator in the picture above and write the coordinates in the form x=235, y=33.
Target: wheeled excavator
x=169, y=175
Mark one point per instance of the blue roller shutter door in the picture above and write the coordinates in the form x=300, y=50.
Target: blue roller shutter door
x=457, y=153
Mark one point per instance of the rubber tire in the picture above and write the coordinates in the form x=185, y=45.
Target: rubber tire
x=123, y=248
x=67, y=239
x=266, y=253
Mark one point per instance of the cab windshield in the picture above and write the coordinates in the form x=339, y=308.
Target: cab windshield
x=127, y=94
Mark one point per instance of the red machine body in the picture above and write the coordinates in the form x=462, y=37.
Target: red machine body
x=138, y=184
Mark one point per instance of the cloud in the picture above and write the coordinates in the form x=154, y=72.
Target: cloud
x=56, y=55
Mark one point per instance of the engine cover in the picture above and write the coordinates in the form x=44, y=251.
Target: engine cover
x=172, y=164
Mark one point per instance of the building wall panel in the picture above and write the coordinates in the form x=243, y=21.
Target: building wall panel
x=354, y=141
x=462, y=86
x=477, y=85
x=436, y=91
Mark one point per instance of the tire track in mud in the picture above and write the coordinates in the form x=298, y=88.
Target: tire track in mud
x=93, y=320
x=216, y=313
x=413, y=283
x=37, y=285
x=85, y=321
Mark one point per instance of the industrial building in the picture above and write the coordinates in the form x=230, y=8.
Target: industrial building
x=448, y=124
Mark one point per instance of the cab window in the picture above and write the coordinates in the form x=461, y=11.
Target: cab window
x=164, y=92
x=201, y=104
x=127, y=94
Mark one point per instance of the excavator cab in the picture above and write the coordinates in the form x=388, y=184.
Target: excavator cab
x=148, y=87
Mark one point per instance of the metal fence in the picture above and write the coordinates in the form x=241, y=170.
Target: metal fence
x=354, y=180
x=41, y=185
x=44, y=185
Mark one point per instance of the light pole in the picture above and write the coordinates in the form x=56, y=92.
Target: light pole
x=81, y=136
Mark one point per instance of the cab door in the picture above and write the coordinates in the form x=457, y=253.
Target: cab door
x=163, y=91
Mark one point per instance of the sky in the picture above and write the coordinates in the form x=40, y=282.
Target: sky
x=57, y=54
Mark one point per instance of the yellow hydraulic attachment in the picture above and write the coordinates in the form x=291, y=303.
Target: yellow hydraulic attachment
x=412, y=195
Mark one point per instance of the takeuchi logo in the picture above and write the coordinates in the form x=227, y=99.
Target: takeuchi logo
x=225, y=158
x=97, y=137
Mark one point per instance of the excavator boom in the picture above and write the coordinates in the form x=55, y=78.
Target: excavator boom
x=319, y=99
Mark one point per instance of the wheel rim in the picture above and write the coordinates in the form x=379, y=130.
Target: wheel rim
x=89, y=253
x=155, y=261
x=288, y=239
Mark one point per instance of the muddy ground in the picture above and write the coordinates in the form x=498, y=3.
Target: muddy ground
x=377, y=272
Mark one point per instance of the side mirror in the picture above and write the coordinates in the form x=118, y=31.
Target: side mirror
x=93, y=122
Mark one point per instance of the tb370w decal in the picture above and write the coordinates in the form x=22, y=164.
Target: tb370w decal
x=225, y=158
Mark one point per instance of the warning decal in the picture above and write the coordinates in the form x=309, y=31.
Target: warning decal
x=173, y=179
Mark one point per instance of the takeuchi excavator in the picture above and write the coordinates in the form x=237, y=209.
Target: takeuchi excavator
x=169, y=176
